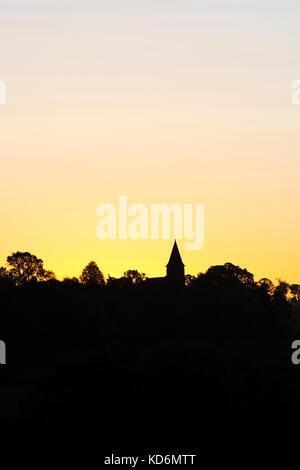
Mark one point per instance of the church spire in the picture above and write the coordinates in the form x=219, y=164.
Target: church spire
x=175, y=267
x=175, y=257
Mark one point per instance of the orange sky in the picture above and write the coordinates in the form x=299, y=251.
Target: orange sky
x=165, y=102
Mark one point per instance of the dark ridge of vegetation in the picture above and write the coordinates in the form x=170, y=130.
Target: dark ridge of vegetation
x=92, y=348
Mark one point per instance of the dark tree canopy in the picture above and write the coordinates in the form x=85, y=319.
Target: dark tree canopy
x=231, y=272
x=25, y=267
x=266, y=285
x=130, y=278
x=295, y=292
x=70, y=281
x=135, y=277
x=91, y=275
x=3, y=273
x=281, y=291
x=189, y=279
x=226, y=274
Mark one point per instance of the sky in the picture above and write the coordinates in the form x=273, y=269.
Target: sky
x=163, y=101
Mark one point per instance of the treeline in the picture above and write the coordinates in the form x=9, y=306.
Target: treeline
x=24, y=268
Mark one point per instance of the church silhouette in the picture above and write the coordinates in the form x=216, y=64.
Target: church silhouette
x=175, y=272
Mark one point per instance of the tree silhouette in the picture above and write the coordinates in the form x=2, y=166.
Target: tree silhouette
x=92, y=276
x=25, y=268
x=225, y=275
x=295, y=292
x=281, y=291
x=134, y=277
x=189, y=279
x=266, y=285
x=3, y=273
x=5, y=278
x=70, y=281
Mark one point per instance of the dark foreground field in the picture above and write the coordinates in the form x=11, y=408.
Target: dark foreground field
x=114, y=355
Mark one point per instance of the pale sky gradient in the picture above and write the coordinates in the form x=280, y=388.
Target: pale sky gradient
x=163, y=101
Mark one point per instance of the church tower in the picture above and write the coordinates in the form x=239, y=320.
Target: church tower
x=175, y=267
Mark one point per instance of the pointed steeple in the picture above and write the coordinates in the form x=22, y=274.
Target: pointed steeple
x=175, y=257
x=175, y=267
